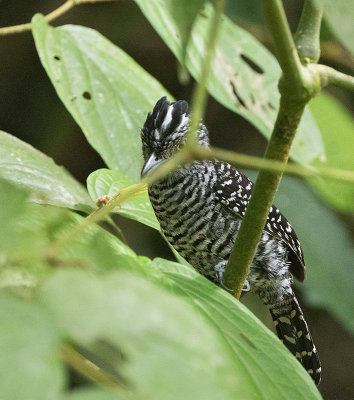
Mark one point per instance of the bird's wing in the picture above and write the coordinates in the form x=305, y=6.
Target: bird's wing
x=233, y=190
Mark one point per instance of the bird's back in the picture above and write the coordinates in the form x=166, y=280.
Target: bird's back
x=192, y=219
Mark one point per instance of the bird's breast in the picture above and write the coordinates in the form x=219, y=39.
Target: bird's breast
x=193, y=221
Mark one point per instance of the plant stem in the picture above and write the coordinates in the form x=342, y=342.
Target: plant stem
x=284, y=44
x=330, y=76
x=64, y=8
x=252, y=162
x=116, y=229
x=183, y=157
x=307, y=36
x=90, y=370
x=262, y=197
x=297, y=86
x=200, y=95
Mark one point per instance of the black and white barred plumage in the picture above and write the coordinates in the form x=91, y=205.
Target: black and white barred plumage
x=200, y=207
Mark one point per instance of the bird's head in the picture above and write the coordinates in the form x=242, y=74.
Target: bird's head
x=165, y=132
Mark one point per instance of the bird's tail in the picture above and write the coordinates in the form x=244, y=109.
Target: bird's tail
x=293, y=331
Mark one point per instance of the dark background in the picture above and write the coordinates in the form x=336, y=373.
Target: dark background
x=31, y=110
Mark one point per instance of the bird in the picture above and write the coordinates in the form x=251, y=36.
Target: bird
x=200, y=207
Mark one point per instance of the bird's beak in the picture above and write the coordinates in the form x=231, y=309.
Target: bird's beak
x=151, y=163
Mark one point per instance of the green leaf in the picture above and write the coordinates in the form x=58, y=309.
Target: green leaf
x=244, y=74
x=48, y=183
x=169, y=351
x=29, y=346
x=184, y=12
x=340, y=16
x=107, y=182
x=17, y=237
x=337, y=128
x=96, y=394
x=263, y=364
x=29, y=232
x=95, y=248
x=106, y=92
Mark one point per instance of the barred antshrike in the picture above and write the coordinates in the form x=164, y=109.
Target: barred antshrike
x=200, y=207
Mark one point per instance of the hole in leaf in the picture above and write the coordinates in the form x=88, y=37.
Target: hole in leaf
x=239, y=99
x=87, y=95
x=57, y=58
x=270, y=105
x=252, y=64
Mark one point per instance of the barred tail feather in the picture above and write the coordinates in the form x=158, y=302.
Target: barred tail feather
x=292, y=329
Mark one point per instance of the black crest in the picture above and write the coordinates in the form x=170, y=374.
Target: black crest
x=165, y=120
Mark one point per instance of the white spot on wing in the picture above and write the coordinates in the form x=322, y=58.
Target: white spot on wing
x=285, y=320
x=290, y=339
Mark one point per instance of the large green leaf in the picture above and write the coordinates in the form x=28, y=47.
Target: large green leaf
x=48, y=183
x=244, y=75
x=29, y=232
x=12, y=211
x=184, y=12
x=29, y=347
x=96, y=394
x=94, y=248
x=263, y=364
x=106, y=92
x=169, y=351
x=107, y=182
x=340, y=16
x=337, y=128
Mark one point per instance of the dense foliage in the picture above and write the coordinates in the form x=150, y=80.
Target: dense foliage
x=70, y=288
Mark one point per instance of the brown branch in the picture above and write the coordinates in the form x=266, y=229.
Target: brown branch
x=64, y=8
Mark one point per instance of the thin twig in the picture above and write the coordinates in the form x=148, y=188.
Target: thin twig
x=199, y=97
x=64, y=8
x=284, y=44
x=184, y=157
x=252, y=162
x=330, y=76
x=90, y=370
x=181, y=158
